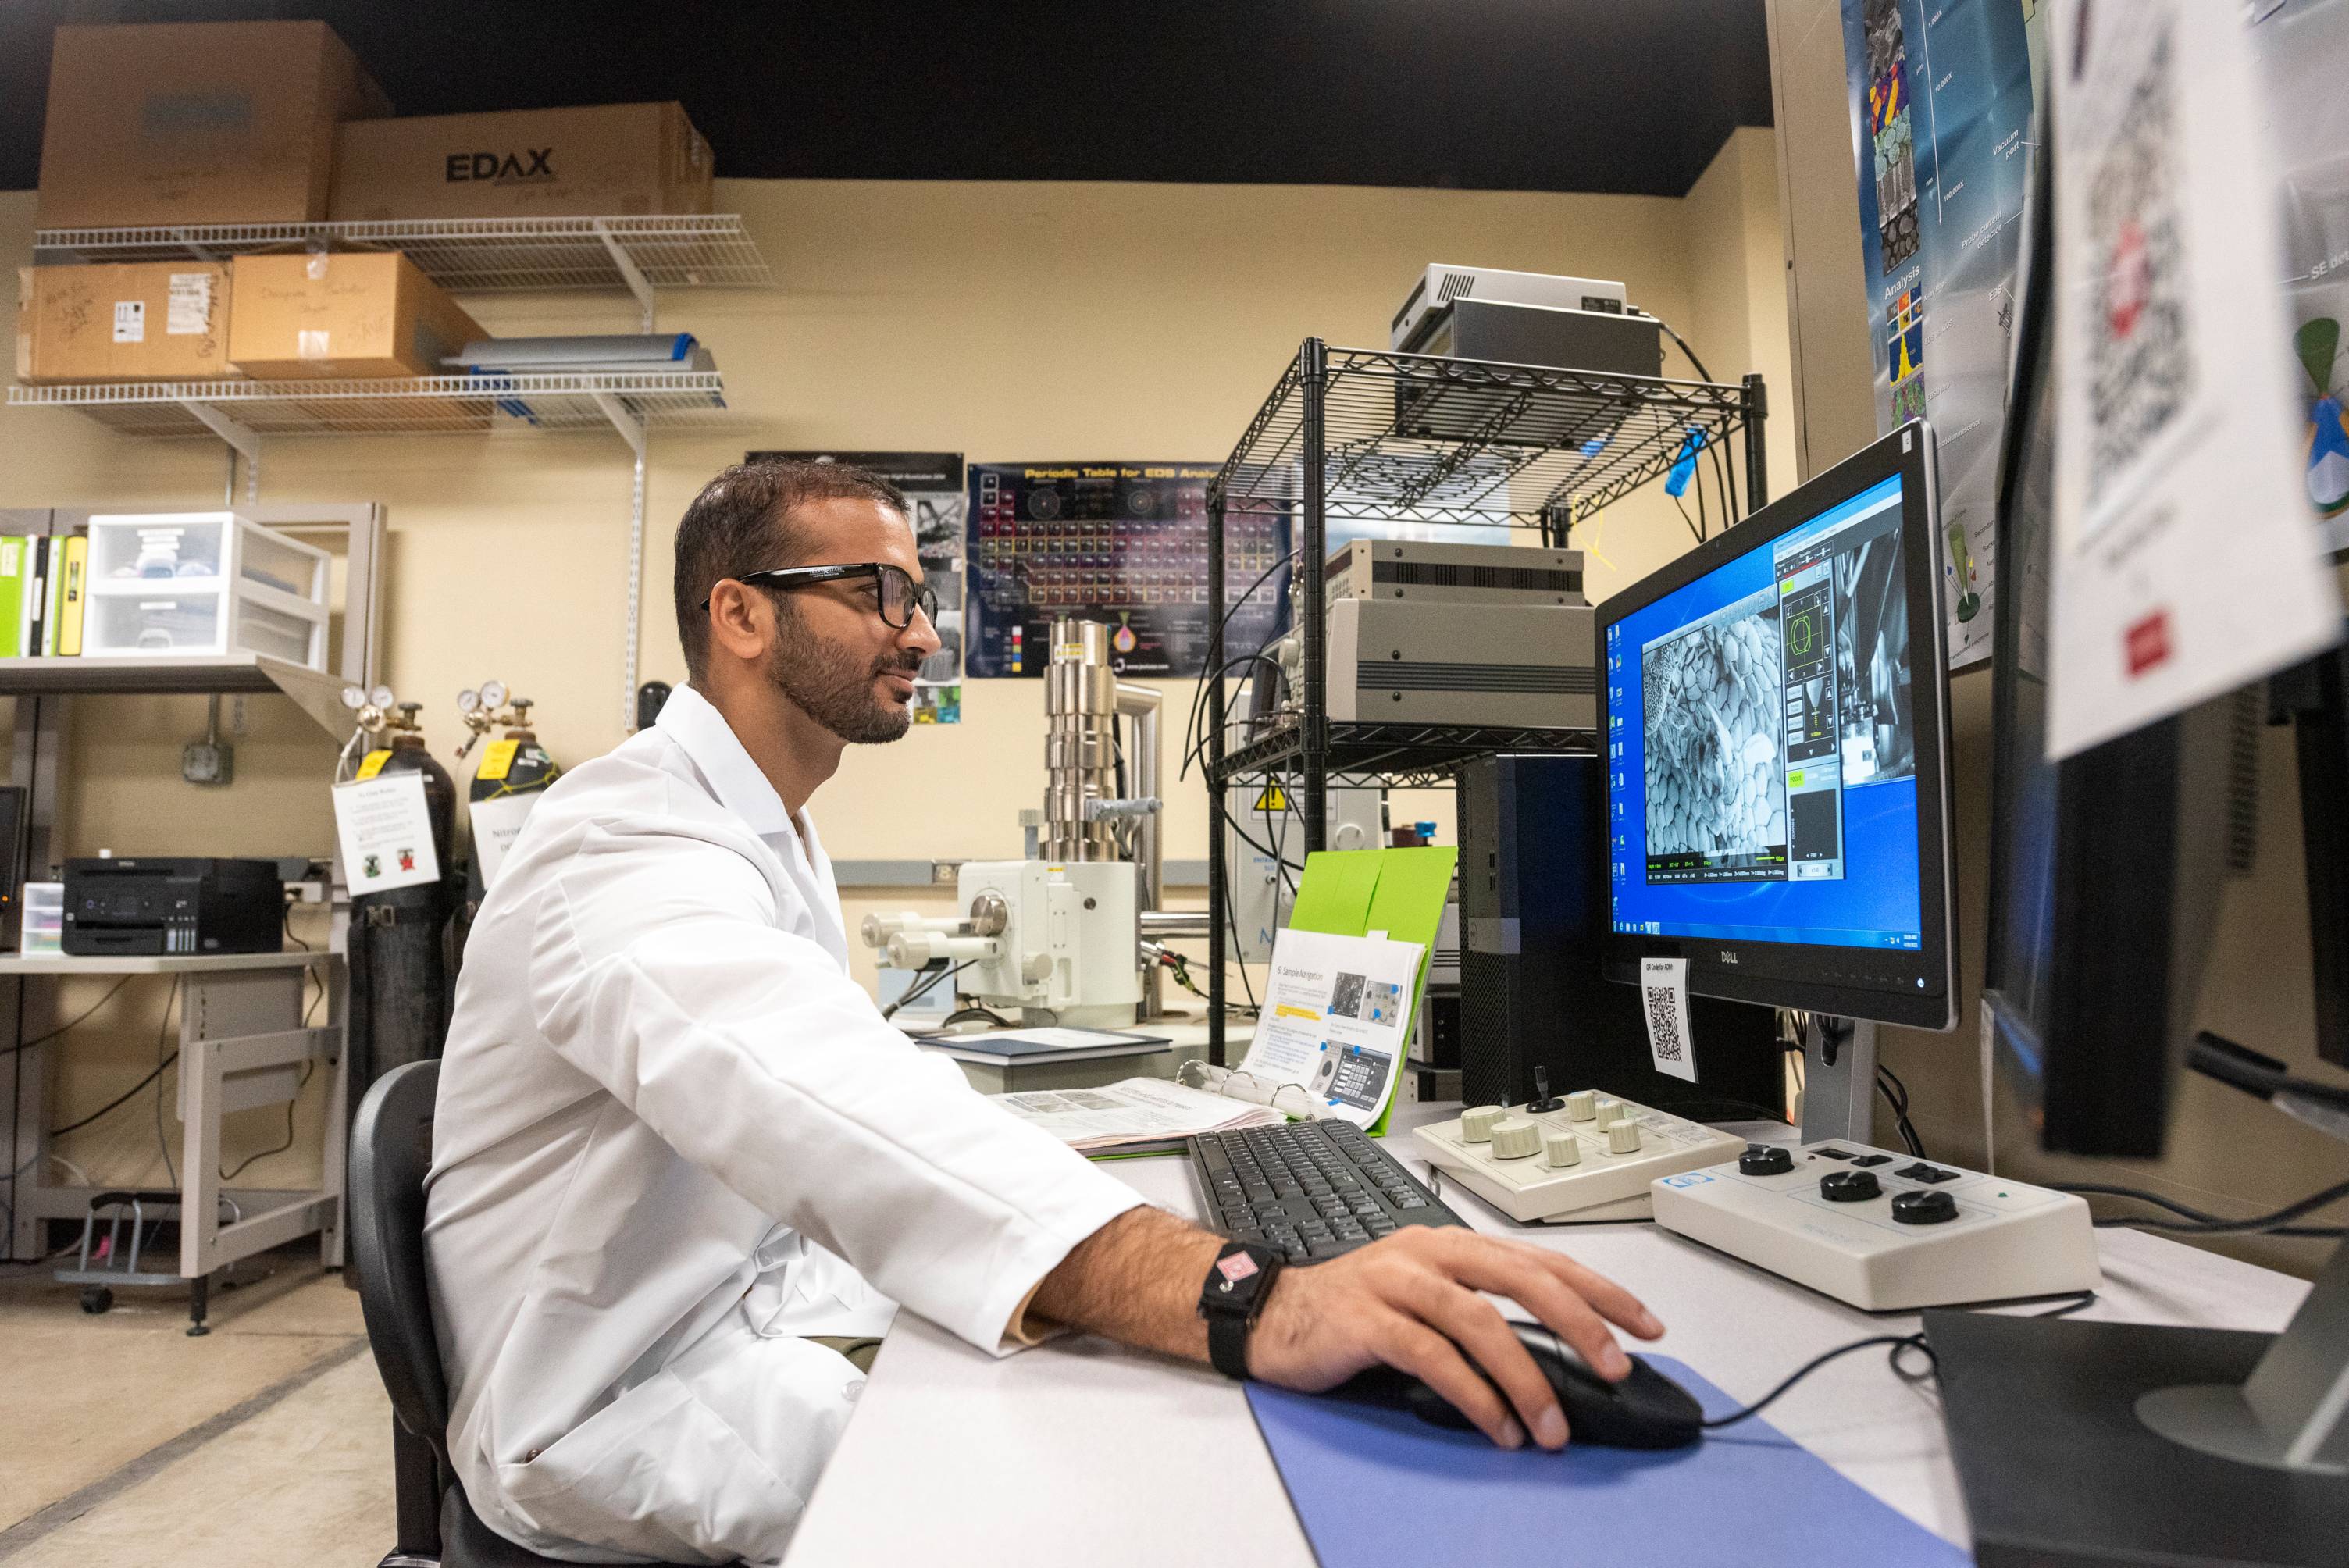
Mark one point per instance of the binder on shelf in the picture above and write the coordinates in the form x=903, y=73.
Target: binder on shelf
x=15, y=577
x=36, y=599
x=74, y=590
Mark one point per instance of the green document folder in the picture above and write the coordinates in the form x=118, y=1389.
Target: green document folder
x=1352, y=893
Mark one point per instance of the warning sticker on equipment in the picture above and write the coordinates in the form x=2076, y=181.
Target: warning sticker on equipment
x=189, y=309
x=131, y=321
x=1273, y=798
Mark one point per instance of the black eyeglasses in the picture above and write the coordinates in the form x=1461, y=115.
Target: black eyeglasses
x=900, y=594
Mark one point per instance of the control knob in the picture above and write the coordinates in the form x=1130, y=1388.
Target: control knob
x=1926, y=1207
x=1476, y=1124
x=1581, y=1105
x=1560, y=1149
x=1514, y=1140
x=1623, y=1137
x=1608, y=1111
x=1765, y=1160
x=1849, y=1186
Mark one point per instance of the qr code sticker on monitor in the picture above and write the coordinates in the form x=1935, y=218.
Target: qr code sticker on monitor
x=1664, y=1024
x=2141, y=363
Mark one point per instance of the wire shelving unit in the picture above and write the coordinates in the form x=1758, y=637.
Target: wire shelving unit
x=470, y=255
x=1359, y=436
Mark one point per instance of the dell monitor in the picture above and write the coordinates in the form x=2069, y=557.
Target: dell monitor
x=1777, y=738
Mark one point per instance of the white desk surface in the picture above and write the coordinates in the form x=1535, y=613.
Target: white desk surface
x=1083, y=1452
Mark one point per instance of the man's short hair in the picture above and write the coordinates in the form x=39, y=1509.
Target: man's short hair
x=742, y=522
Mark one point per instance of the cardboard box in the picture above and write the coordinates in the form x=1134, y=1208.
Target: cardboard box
x=132, y=321
x=196, y=122
x=625, y=160
x=354, y=315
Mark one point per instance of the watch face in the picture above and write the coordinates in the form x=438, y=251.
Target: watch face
x=1237, y=1267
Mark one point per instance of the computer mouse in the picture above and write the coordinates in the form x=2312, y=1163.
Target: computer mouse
x=1645, y=1410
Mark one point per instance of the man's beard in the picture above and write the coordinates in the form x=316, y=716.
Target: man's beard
x=835, y=687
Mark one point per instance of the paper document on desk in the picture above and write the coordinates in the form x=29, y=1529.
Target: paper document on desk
x=1336, y=1019
x=1129, y=1116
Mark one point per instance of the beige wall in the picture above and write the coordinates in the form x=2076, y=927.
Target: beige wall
x=1006, y=321
x=2226, y=1153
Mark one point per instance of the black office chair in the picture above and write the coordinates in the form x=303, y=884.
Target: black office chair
x=392, y=1148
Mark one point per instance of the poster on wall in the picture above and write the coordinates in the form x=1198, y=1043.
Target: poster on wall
x=932, y=483
x=1119, y=542
x=1941, y=96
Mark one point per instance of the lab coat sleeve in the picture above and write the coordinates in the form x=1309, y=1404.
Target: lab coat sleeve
x=657, y=969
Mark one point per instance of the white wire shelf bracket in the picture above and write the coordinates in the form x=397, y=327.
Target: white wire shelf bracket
x=467, y=255
x=241, y=412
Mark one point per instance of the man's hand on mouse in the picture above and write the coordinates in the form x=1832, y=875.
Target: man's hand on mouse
x=1410, y=1301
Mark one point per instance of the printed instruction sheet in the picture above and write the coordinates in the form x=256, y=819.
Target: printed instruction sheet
x=1336, y=1020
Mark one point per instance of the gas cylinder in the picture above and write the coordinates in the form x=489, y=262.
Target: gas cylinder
x=515, y=764
x=400, y=991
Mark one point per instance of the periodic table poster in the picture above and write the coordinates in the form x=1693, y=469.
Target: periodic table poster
x=1119, y=542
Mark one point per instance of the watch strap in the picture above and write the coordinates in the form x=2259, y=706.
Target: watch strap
x=1231, y=1300
x=1228, y=1339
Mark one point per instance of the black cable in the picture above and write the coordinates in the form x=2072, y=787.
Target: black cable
x=1694, y=532
x=924, y=988
x=68, y=1028
x=2198, y=1224
x=162, y=1034
x=308, y=1067
x=1728, y=513
x=1886, y=1083
x=1689, y=1109
x=1901, y=1343
x=1196, y=739
x=962, y=1015
x=118, y=1101
x=1702, y=372
x=1199, y=694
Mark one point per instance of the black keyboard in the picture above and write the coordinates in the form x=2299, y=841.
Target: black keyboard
x=1313, y=1189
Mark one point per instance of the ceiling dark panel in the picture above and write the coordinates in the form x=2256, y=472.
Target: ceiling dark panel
x=1624, y=96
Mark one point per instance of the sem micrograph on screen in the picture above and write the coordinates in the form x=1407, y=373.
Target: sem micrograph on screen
x=1716, y=785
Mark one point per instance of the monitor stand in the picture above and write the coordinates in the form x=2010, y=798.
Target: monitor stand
x=2111, y=1443
x=2082, y=1443
x=1838, y=1081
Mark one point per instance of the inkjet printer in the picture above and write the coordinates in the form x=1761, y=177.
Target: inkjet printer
x=159, y=905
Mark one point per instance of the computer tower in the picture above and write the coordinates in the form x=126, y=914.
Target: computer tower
x=1533, y=908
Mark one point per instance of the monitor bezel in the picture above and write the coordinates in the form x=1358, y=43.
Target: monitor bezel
x=1818, y=977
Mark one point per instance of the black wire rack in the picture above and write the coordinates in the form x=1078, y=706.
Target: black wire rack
x=1353, y=435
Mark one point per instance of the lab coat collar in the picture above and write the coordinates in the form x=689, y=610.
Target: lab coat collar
x=690, y=719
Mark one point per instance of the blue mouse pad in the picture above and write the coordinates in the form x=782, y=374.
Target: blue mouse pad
x=1374, y=1487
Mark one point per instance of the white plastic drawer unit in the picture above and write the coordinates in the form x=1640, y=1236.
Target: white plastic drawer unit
x=192, y=583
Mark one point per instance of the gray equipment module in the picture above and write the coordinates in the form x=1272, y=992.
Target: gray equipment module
x=1529, y=665
x=1415, y=572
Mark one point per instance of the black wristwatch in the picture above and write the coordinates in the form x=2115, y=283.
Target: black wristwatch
x=1232, y=1298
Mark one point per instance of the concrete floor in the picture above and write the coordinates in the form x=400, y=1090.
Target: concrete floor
x=266, y=1443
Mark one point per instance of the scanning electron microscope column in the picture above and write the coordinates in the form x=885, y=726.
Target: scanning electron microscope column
x=1080, y=744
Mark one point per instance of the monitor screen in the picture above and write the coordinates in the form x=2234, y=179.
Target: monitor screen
x=1776, y=804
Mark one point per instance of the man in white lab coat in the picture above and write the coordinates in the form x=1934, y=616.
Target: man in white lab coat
x=681, y=1164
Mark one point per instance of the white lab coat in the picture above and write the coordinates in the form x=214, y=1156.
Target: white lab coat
x=673, y=1138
